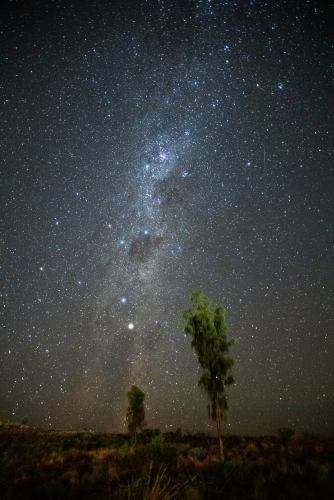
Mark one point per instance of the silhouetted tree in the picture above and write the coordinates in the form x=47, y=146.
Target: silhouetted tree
x=135, y=414
x=206, y=323
x=24, y=420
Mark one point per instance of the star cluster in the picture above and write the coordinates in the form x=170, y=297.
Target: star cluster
x=150, y=149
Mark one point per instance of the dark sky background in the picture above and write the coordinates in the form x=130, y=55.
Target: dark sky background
x=150, y=149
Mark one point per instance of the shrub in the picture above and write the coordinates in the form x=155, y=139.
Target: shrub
x=218, y=471
x=198, y=453
x=251, y=450
x=24, y=420
x=161, y=453
x=183, y=449
x=159, y=438
x=284, y=433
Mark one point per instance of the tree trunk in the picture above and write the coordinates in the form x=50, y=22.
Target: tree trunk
x=219, y=431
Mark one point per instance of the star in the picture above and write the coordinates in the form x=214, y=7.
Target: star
x=170, y=148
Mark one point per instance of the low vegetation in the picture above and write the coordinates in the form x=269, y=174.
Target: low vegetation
x=44, y=464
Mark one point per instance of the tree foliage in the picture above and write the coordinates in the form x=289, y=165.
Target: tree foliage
x=206, y=323
x=135, y=414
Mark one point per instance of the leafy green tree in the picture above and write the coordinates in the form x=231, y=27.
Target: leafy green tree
x=135, y=414
x=206, y=323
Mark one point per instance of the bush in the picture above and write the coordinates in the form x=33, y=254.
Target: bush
x=218, y=471
x=251, y=450
x=284, y=433
x=159, y=438
x=198, y=453
x=161, y=453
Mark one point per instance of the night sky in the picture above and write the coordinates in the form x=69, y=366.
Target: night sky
x=150, y=149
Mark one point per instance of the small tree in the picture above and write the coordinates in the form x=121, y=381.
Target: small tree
x=24, y=420
x=135, y=414
x=206, y=323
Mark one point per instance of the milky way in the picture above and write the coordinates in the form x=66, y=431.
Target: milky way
x=149, y=150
